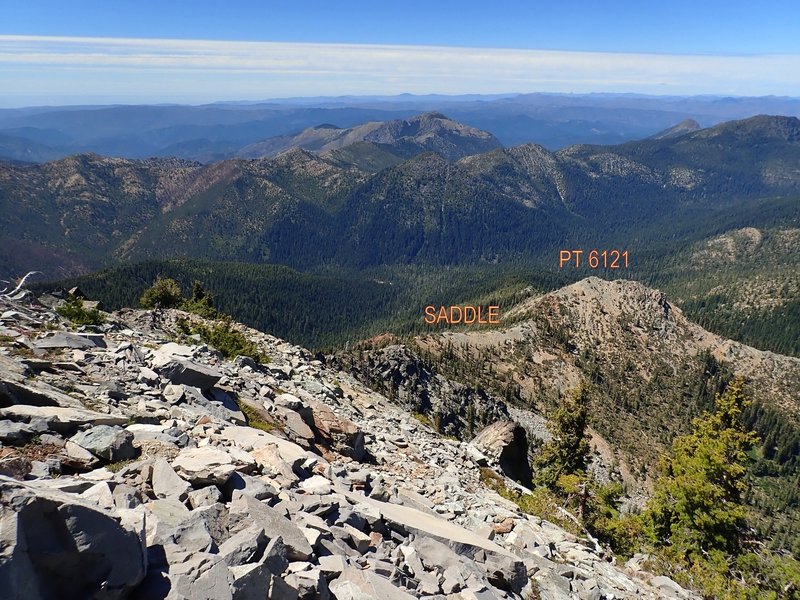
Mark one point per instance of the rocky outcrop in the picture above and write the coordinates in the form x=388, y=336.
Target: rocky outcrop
x=333, y=492
x=456, y=409
x=506, y=444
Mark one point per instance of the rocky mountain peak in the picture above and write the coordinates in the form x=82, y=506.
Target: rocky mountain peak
x=405, y=137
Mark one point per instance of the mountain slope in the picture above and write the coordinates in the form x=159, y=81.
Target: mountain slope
x=281, y=477
x=686, y=126
x=647, y=371
x=402, y=137
x=306, y=210
x=74, y=212
x=650, y=366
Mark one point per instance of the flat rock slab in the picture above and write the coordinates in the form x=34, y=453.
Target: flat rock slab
x=71, y=340
x=250, y=439
x=425, y=524
x=171, y=349
x=36, y=394
x=204, y=466
x=60, y=419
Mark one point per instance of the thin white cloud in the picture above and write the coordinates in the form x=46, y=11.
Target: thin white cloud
x=159, y=70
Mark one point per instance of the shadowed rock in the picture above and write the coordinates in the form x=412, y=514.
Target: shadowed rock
x=55, y=546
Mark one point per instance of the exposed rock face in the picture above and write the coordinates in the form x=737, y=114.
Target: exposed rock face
x=459, y=410
x=347, y=495
x=506, y=443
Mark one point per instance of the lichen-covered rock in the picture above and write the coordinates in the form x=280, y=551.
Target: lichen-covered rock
x=109, y=443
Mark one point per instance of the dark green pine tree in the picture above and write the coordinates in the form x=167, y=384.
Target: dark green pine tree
x=568, y=452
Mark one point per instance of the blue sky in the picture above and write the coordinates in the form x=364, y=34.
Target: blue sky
x=252, y=50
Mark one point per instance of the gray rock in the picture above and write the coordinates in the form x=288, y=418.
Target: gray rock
x=126, y=496
x=52, y=542
x=217, y=521
x=246, y=546
x=203, y=576
x=39, y=470
x=310, y=585
x=506, y=573
x=250, y=581
x=355, y=584
x=193, y=534
x=434, y=555
x=109, y=443
x=275, y=556
x=166, y=483
x=173, y=394
x=70, y=340
x=99, y=495
x=78, y=458
x=273, y=464
x=552, y=586
x=332, y=565
x=216, y=403
x=186, y=372
x=163, y=518
x=296, y=429
x=148, y=376
x=280, y=590
x=204, y=466
x=14, y=434
x=206, y=496
x=246, y=510
x=668, y=587
x=453, y=582
x=249, y=486
x=359, y=539
x=60, y=419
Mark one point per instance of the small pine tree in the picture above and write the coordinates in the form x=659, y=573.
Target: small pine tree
x=201, y=303
x=73, y=309
x=164, y=293
x=568, y=452
x=697, y=505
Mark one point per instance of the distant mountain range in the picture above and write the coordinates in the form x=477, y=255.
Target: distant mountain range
x=388, y=199
x=214, y=132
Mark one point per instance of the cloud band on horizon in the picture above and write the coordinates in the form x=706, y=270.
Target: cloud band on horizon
x=156, y=70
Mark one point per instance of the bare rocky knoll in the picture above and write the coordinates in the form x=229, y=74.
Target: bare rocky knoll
x=643, y=356
x=430, y=131
x=601, y=314
x=135, y=466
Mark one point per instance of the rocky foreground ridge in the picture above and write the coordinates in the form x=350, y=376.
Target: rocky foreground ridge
x=130, y=470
